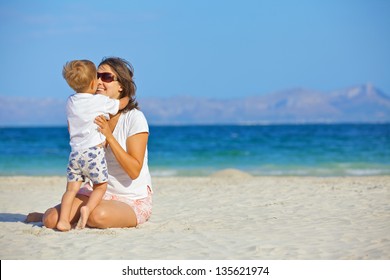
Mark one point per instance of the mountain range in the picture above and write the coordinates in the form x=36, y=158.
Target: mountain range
x=358, y=104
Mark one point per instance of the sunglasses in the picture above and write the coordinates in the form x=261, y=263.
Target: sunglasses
x=106, y=77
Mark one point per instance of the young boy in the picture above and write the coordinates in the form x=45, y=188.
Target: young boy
x=87, y=158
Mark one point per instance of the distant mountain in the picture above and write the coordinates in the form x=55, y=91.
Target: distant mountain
x=22, y=111
x=356, y=104
x=360, y=104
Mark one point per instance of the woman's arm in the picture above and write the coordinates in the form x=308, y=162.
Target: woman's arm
x=132, y=160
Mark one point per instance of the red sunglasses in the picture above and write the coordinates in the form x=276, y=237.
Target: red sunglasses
x=106, y=77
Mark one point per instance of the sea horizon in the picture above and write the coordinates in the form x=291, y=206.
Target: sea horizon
x=358, y=149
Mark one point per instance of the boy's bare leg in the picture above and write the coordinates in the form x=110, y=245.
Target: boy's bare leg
x=66, y=205
x=94, y=199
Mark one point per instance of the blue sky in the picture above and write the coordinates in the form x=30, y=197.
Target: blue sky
x=216, y=49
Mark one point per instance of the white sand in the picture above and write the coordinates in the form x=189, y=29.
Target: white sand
x=227, y=216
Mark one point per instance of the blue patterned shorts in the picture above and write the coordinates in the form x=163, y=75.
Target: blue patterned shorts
x=89, y=163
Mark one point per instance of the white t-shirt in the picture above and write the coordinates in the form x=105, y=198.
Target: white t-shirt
x=119, y=183
x=81, y=111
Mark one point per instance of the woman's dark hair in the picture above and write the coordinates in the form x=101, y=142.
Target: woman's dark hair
x=124, y=72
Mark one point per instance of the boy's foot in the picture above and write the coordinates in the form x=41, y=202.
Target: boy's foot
x=34, y=217
x=84, y=214
x=63, y=226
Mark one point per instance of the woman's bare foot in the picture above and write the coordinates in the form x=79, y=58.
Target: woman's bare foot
x=84, y=214
x=63, y=226
x=34, y=217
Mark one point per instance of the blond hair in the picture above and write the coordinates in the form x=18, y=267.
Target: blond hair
x=79, y=74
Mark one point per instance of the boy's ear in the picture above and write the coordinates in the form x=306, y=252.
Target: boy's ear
x=93, y=84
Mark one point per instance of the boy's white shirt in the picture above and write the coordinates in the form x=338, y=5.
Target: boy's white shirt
x=81, y=111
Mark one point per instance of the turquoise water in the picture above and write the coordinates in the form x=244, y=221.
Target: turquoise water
x=318, y=150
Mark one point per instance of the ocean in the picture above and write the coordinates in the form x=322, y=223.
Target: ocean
x=261, y=150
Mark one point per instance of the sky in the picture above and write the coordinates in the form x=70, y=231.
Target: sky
x=213, y=49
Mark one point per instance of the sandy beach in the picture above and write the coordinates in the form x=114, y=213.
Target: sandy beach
x=229, y=215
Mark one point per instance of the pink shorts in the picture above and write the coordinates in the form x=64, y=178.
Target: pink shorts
x=141, y=207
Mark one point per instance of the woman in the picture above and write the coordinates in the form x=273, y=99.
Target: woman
x=128, y=200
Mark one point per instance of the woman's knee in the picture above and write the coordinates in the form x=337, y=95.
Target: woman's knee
x=50, y=218
x=98, y=218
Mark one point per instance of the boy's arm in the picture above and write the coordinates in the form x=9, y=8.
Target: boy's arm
x=123, y=102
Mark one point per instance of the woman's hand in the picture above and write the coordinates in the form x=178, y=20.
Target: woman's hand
x=104, y=127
